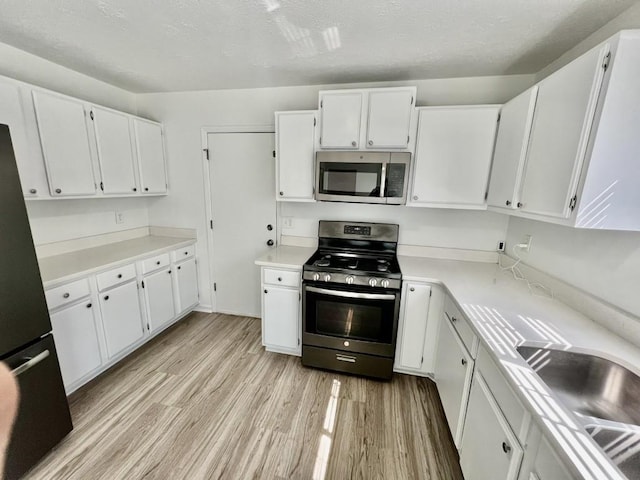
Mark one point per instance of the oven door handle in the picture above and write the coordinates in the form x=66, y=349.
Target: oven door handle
x=363, y=296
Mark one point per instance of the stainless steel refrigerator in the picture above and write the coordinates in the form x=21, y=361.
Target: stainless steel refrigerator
x=26, y=342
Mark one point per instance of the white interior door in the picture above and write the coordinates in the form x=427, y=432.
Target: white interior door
x=242, y=179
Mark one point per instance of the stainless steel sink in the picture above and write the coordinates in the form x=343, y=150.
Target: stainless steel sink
x=587, y=384
x=596, y=387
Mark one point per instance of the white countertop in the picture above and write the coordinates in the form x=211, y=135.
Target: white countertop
x=62, y=268
x=286, y=257
x=504, y=314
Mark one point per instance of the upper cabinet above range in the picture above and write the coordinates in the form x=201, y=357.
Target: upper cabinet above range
x=570, y=154
x=373, y=119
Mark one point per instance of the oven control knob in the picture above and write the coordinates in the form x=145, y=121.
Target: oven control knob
x=327, y=277
x=373, y=282
x=316, y=277
x=384, y=283
x=349, y=279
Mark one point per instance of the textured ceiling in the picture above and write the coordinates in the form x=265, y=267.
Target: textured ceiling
x=173, y=45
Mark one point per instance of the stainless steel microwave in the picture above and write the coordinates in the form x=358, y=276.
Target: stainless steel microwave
x=363, y=177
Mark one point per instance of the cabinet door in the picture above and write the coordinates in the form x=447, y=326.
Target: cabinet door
x=489, y=447
x=454, y=369
x=389, y=118
x=341, y=114
x=413, y=326
x=121, y=317
x=158, y=293
x=65, y=144
x=295, y=140
x=516, y=118
x=453, y=156
x=547, y=466
x=76, y=337
x=280, y=320
x=187, y=284
x=153, y=175
x=113, y=139
x=561, y=125
x=29, y=162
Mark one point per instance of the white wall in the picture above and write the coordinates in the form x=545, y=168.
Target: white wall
x=184, y=114
x=603, y=263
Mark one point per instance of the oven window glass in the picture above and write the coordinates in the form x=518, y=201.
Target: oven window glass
x=357, y=319
x=357, y=179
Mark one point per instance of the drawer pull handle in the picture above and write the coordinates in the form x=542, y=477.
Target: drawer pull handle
x=65, y=295
x=346, y=358
x=30, y=363
x=33, y=191
x=158, y=262
x=106, y=297
x=179, y=268
x=186, y=253
x=119, y=275
x=169, y=272
x=412, y=289
x=463, y=362
x=266, y=291
x=88, y=305
x=134, y=189
x=506, y=448
x=279, y=279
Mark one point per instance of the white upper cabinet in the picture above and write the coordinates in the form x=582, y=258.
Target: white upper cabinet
x=516, y=117
x=295, y=141
x=374, y=118
x=65, y=144
x=453, y=156
x=25, y=146
x=389, y=118
x=150, y=150
x=561, y=125
x=115, y=154
x=341, y=113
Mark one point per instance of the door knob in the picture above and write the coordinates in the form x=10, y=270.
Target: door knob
x=270, y=242
x=269, y=227
x=353, y=144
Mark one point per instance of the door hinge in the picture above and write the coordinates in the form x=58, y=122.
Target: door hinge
x=142, y=283
x=314, y=121
x=211, y=224
x=313, y=190
x=411, y=102
x=148, y=326
x=486, y=194
x=321, y=102
x=320, y=141
x=206, y=153
x=605, y=63
x=274, y=154
x=215, y=287
x=430, y=293
x=408, y=138
x=91, y=114
x=299, y=296
x=102, y=186
x=573, y=202
x=499, y=117
x=421, y=360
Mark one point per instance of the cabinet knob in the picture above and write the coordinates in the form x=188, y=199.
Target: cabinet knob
x=463, y=362
x=158, y=262
x=508, y=202
x=106, y=297
x=88, y=305
x=266, y=291
x=186, y=253
x=169, y=272
x=412, y=289
x=269, y=227
x=33, y=191
x=506, y=448
x=65, y=295
x=58, y=190
x=179, y=268
x=146, y=189
x=370, y=142
x=119, y=275
x=415, y=197
x=281, y=194
x=454, y=319
x=270, y=242
x=520, y=205
x=134, y=189
x=279, y=279
x=353, y=144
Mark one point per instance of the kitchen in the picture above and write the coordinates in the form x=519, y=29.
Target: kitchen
x=210, y=114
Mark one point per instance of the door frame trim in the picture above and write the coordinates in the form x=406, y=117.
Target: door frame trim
x=206, y=171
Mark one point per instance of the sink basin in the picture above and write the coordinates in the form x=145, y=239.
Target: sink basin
x=622, y=446
x=587, y=384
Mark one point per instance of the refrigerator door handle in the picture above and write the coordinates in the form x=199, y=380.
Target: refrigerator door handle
x=32, y=362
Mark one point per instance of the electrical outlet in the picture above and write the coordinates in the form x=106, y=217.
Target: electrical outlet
x=501, y=246
x=119, y=217
x=527, y=242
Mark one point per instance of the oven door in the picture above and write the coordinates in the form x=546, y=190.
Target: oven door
x=351, y=319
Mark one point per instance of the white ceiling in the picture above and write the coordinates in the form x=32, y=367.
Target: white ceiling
x=173, y=45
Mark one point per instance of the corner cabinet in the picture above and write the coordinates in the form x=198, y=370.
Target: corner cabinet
x=454, y=149
x=281, y=310
x=150, y=149
x=375, y=118
x=295, y=155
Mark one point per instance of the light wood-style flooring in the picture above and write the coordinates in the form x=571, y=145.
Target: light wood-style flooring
x=205, y=401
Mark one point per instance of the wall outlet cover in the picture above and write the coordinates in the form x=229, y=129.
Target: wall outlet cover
x=119, y=217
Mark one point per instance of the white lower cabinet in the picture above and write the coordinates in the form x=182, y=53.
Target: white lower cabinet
x=158, y=293
x=547, y=466
x=76, y=335
x=489, y=448
x=417, y=329
x=186, y=285
x=121, y=317
x=281, y=328
x=453, y=373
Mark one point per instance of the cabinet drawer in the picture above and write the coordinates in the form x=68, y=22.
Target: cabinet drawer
x=287, y=278
x=68, y=293
x=510, y=406
x=115, y=276
x=154, y=263
x=183, y=253
x=461, y=324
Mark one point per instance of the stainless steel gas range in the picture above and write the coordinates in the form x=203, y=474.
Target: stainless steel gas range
x=351, y=299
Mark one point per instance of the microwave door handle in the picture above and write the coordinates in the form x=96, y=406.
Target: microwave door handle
x=357, y=295
x=383, y=181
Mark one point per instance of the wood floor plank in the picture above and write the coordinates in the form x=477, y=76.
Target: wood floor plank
x=204, y=400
